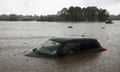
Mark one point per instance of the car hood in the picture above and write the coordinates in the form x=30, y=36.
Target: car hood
x=32, y=54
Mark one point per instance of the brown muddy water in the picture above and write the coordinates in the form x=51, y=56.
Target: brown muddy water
x=18, y=37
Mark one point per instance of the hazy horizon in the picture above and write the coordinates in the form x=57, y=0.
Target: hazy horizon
x=45, y=7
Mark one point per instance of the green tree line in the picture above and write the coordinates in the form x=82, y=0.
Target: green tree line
x=115, y=17
x=65, y=14
x=84, y=14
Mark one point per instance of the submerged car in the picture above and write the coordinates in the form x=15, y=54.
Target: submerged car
x=109, y=21
x=57, y=47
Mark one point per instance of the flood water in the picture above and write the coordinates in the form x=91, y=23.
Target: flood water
x=18, y=37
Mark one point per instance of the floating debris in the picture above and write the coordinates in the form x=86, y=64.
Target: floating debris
x=83, y=35
x=70, y=27
x=103, y=27
x=109, y=21
x=107, y=38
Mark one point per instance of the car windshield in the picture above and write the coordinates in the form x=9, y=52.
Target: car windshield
x=50, y=47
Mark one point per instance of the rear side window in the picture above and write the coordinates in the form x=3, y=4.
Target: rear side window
x=88, y=45
x=71, y=48
x=77, y=47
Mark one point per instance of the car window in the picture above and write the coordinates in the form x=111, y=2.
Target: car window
x=50, y=47
x=71, y=48
x=77, y=47
x=88, y=46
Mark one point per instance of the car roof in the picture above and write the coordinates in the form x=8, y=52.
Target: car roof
x=64, y=40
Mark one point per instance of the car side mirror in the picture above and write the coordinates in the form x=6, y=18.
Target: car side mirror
x=34, y=49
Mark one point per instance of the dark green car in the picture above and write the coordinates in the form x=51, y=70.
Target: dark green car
x=57, y=47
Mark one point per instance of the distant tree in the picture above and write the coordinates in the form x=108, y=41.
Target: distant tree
x=78, y=15
x=74, y=14
x=13, y=17
x=103, y=15
x=63, y=12
x=84, y=14
x=90, y=13
x=4, y=17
